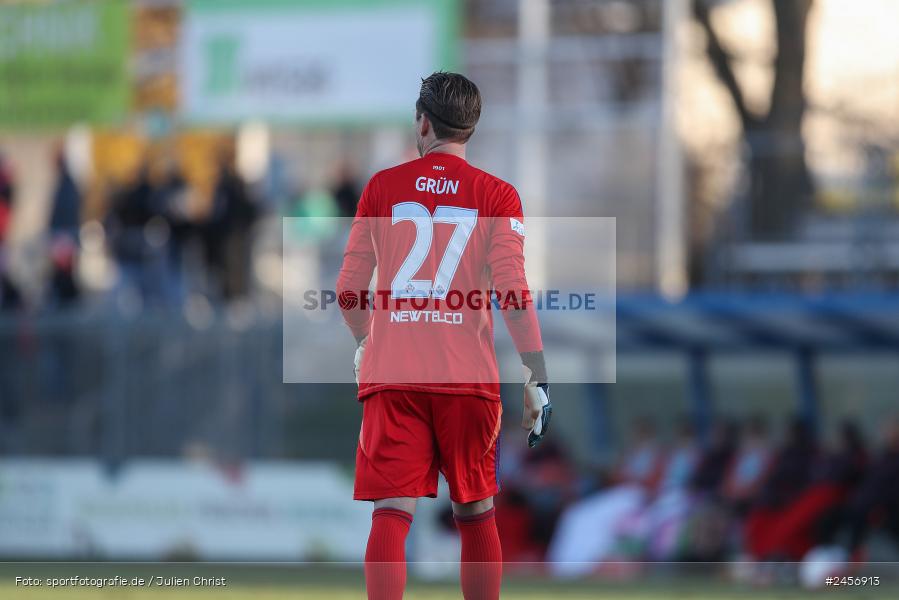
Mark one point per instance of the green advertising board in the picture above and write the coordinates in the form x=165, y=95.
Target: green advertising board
x=63, y=62
x=311, y=62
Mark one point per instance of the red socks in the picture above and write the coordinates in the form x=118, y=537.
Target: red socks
x=385, y=556
x=482, y=556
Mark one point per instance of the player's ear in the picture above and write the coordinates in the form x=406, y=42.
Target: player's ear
x=423, y=125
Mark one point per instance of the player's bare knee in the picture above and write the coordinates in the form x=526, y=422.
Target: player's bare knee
x=404, y=504
x=470, y=509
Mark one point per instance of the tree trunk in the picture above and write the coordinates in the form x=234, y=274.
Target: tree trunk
x=780, y=183
x=781, y=188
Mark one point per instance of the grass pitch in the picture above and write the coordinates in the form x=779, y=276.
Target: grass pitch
x=431, y=592
x=310, y=583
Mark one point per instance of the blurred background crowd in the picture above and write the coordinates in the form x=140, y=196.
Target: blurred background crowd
x=749, y=494
x=748, y=150
x=155, y=238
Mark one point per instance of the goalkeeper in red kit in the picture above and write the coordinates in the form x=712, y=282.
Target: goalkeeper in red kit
x=447, y=240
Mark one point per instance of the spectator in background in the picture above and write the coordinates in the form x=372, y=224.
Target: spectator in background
x=227, y=231
x=346, y=190
x=716, y=458
x=10, y=404
x=548, y=479
x=643, y=460
x=875, y=502
x=65, y=221
x=537, y=484
x=788, y=478
x=749, y=469
x=837, y=471
x=9, y=296
x=319, y=206
x=704, y=528
x=587, y=530
x=65, y=218
x=131, y=212
x=171, y=201
x=726, y=485
x=655, y=530
x=316, y=231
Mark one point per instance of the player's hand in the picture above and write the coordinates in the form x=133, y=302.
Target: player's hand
x=538, y=411
x=357, y=360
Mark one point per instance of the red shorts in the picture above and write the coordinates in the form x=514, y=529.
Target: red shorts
x=406, y=438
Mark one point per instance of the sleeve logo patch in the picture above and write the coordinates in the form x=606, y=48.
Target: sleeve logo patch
x=517, y=226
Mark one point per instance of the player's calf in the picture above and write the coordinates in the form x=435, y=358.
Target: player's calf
x=482, y=557
x=385, y=555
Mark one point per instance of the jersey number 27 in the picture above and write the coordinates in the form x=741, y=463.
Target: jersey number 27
x=464, y=219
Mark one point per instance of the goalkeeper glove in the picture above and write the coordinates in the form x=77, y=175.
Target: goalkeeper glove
x=538, y=409
x=357, y=359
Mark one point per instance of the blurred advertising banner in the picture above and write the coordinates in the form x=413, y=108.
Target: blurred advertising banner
x=63, y=62
x=311, y=61
x=168, y=510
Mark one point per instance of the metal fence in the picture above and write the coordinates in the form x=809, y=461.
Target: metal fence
x=156, y=386
x=159, y=386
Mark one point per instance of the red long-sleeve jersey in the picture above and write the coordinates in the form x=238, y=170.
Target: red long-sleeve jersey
x=448, y=243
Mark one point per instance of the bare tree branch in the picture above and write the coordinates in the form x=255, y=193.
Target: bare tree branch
x=720, y=60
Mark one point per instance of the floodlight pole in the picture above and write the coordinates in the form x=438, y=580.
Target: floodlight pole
x=670, y=224
x=533, y=45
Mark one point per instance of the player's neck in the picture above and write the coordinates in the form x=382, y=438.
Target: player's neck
x=440, y=147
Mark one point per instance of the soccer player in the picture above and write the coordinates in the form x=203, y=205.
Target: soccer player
x=447, y=240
